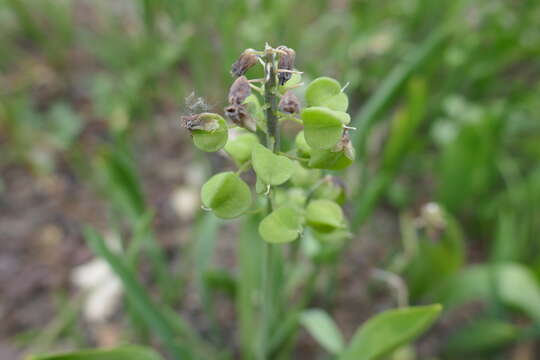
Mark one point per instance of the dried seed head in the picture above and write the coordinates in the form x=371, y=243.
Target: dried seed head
x=286, y=62
x=246, y=60
x=346, y=146
x=239, y=91
x=289, y=103
x=239, y=115
x=198, y=122
x=195, y=105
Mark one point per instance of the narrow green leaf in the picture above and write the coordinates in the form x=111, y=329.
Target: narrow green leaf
x=392, y=84
x=480, y=336
x=122, y=353
x=514, y=284
x=136, y=293
x=321, y=326
x=386, y=332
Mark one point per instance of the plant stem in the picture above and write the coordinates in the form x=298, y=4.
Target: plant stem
x=271, y=99
x=269, y=255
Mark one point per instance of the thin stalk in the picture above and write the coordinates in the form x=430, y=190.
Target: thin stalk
x=269, y=252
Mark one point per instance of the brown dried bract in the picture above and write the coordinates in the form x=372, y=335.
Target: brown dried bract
x=289, y=103
x=198, y=122
x=239, y=91
x=244, y=62
x=346, y=146
x=286, y=62
x=239, y=115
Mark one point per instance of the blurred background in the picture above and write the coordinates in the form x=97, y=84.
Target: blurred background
x=444, y=198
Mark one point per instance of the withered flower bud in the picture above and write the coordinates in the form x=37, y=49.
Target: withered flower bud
x=239, y=115
x=239, y=91
x=289, y=103
x=246, y=60
x=286, y=62
x=198, y=122
x=346, y=146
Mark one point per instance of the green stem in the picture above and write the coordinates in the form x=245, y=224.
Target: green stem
x=269, y=256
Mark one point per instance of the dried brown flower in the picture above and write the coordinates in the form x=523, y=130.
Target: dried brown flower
x=246, y=60
x=286, y=62
x=289, y=103
x=239, y=91
x=198, y=122
x=239, y=115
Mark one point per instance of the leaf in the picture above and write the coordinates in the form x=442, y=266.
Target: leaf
x=325, y=91
x=329, y=160
x=480, y=336
x=323, y=127
x=213, y=140
x=321, y=326
x=324, y=215
x=241, y=147
x=514, y=284
x=282, y=225
x=386, y=332
x=271, y=169
x=138, y=296
x=122, y=353
x=392, y=84
x=227, y=195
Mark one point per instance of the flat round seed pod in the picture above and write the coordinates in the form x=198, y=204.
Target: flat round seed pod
x=270, y=168
x=329, y=160
x=226, y=195
x=214, y=139
x=241, y=147
x=302, y=147
x=325, y=91
x=281, y=226
x=323, y=127
x=324, y=215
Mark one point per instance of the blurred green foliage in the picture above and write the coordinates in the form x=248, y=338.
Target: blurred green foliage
x=447, y=96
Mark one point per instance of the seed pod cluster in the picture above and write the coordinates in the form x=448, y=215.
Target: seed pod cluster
x=286, y=62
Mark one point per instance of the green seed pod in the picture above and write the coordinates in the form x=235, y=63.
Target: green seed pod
x=302, y=147
x=271, y=169
x=304, y=177
x=281, y=226
x=226, y=195
x=323, y=127
x=294, y=197
x=209, y=131
x=332, y=188
x=338, y=158
x=240, y=148
x=325, y=91
x=324, y=215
